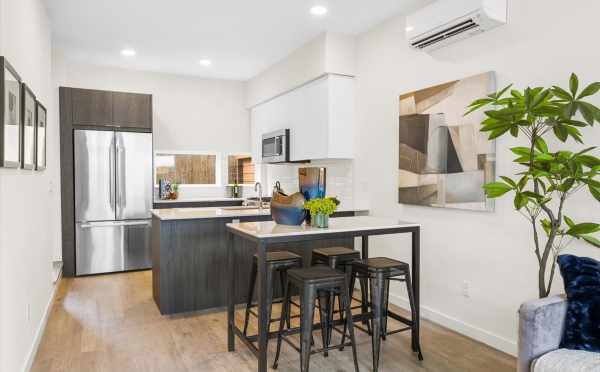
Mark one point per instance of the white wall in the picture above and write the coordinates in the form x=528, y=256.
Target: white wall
x=29, y=201
x=327, y=53
x=302, y=65
x=542, y=44
x=189, y=113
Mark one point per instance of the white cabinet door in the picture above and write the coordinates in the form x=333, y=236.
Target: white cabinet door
x=309, y=132
x=341, y=117
x=256, y=123
x=319, y=115
x=270, y=116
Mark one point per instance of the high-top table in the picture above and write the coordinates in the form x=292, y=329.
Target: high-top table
x=260, y=235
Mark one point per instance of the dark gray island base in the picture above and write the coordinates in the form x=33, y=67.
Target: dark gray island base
x=189, y=260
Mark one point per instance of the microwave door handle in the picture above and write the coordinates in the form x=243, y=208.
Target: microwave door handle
x=277, y=146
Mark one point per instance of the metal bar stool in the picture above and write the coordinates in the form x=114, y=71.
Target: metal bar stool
x=340, y=258
x=380, y=271
x=312, y=282
x=276, y=262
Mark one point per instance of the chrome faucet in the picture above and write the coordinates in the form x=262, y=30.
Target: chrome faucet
x=258, y=187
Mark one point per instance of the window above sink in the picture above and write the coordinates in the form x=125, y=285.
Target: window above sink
x=187, y=168
x=204, y=168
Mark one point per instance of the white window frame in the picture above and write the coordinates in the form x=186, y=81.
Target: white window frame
x=218, y=167
x=226, y=167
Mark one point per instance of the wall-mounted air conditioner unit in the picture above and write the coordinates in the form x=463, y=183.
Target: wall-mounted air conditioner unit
x=447, y=21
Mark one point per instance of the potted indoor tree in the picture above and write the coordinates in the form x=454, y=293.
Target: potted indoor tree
x=549, y=178
x=320, y=209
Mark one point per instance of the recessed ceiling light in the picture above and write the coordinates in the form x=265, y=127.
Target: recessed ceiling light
x=318, y=10
x=409, y=28
x=205, y=62
x=128, y=52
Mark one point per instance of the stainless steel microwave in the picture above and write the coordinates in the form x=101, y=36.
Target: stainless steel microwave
x=276, y=146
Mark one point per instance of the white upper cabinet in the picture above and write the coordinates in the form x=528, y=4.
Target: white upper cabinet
x=319, y=115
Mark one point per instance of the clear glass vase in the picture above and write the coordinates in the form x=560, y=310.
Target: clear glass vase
x=320, y=220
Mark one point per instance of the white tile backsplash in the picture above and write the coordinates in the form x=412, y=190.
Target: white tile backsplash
x=339, y=178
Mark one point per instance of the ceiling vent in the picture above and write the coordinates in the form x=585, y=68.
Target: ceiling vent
x=448, y=21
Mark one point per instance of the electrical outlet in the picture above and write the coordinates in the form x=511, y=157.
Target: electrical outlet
x=466, y=290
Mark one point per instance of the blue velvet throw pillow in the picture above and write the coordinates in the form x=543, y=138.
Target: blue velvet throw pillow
x=582, y=284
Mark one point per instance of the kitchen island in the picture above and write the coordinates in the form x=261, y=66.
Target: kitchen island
x=189, y=256
x=260, y=237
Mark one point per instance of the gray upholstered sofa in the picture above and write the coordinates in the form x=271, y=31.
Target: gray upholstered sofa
x=541, y=324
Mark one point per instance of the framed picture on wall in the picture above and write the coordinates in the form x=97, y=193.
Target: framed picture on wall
x=10, y=116
x=28, y=128
x=40, y=134
x=444, y=158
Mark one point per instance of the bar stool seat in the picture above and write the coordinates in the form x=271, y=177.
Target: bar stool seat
x=378, y=264
x=328, y=252
x=315, y=275
x=280, y=257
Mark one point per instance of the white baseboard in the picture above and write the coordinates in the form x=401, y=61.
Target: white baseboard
x=457, y=325
x=42, y=327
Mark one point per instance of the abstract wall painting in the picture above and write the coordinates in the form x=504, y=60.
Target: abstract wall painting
x=444, y=159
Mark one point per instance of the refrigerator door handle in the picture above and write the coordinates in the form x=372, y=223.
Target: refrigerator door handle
x=121, y=201
x=136, y=223
x=111, y=171
x=87, y=225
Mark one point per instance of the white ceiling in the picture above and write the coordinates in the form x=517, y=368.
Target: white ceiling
x=240, y=37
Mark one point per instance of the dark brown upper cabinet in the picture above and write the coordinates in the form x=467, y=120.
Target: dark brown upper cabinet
x=92, y=107
x=132, y=110
x=111, y=109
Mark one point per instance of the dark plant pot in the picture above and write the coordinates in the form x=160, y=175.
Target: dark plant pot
x=320, y=220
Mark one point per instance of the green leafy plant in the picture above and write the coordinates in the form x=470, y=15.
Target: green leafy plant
x=549, y=179
x=325, y=206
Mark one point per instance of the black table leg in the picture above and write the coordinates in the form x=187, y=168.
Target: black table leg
x=263, y=320
x=230, y=294
x=364, y=283
x=365, y=246
x=416, y=269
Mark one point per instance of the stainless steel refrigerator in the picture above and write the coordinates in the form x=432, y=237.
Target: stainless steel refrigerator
x=113, y=198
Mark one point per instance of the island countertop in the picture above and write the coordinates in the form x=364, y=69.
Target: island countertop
x=171, y=214
x=270, y=229
x=196, y=200
x=210, y=212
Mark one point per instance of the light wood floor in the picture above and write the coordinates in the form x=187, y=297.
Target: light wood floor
x=110, y=323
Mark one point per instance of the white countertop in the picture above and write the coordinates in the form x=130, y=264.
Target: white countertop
x=269, y=229
x=196, y=200
x=210, y=212
x=170, y=214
